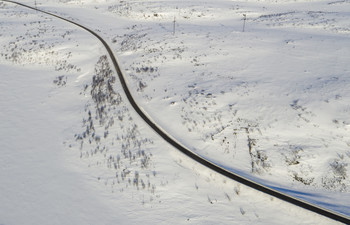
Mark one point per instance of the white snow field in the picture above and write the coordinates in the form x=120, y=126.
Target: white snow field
x=270, y=102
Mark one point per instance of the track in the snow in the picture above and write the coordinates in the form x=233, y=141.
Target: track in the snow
x=188, y=152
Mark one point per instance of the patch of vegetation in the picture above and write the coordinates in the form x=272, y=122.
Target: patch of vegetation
x=60, y=81
x=336, y=178
x=110, y=136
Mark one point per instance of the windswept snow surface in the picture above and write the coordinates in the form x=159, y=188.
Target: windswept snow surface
x=271, y=103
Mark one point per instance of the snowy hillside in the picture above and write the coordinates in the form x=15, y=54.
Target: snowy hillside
x=270, y=102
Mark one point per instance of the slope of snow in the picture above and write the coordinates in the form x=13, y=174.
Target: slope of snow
x=75, y=152
x=271, y=102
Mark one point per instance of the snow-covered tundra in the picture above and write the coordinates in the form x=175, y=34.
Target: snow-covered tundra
x=258, y=87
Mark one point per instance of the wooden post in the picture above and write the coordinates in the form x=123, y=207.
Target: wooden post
x=244, y=19
x=174, y=23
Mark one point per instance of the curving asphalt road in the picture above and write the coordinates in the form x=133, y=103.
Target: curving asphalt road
x=188, y=152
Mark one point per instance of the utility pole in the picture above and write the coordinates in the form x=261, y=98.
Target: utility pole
x=174, y=23
x=244, y=19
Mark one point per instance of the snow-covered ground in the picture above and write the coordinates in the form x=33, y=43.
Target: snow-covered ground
x=271, y=103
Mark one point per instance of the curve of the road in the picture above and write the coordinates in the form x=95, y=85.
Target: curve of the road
x=188, y=152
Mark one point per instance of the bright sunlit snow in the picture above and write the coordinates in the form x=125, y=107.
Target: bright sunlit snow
x=258, y=87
